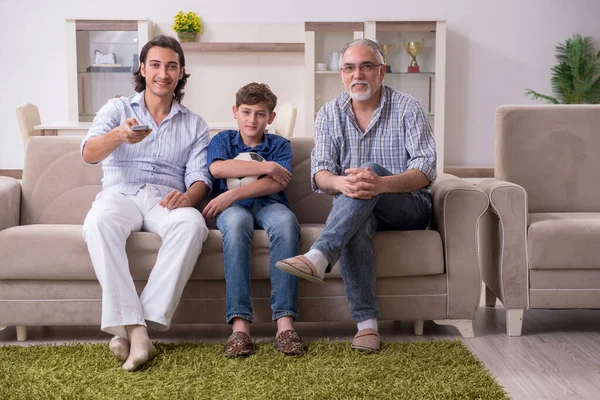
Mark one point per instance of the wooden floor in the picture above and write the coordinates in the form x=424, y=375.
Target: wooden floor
x=558, y=356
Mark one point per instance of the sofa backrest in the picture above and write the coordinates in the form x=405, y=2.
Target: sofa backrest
x=59, y=188
x=309, y=207
x=552, y=152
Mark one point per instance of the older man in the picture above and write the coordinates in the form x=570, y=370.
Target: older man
x=375, y=152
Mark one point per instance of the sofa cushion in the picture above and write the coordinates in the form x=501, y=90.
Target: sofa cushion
x=58, y=252
x=564, y=241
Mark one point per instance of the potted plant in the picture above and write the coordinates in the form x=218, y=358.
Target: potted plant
x=187, y=26
x=576, y=78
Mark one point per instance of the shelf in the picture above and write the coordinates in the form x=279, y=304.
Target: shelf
x=110, y=70
x=106, y=25
x=406, y=26
x=333, y=26
x=132, y=43
x=104, y=72
x=244, y=47
x=410, y=73
x=387, y=73
x=428, y=114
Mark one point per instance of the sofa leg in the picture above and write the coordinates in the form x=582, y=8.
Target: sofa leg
x=418, y=327
x=490, y=297
x=464, y=326
x=514, y=322
x=21, y=333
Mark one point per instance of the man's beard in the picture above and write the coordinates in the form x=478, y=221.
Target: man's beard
x=361, y=96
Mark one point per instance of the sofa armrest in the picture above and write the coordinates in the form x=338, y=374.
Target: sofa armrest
x=457, y=207
x=503, y=238
x=10, y=202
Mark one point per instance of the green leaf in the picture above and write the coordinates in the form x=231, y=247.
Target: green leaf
x=537, y=96
x=575, y=79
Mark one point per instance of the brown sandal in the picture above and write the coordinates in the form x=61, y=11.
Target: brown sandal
x=289, y=343
x=367, y=340
x=238, y=345
x=300, y=266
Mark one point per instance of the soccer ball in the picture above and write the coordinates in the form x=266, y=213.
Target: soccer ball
x=234, y=183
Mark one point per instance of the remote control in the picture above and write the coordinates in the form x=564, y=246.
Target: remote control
x=138, y=128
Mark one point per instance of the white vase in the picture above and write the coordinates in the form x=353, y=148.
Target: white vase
x=334, y=61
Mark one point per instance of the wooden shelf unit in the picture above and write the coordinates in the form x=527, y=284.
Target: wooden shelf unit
x=243, y=47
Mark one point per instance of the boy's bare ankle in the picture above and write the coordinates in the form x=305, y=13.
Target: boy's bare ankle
x=285, y=323
x=241, y=325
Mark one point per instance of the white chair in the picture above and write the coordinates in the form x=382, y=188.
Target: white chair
x=28, y=116
x=285, y=120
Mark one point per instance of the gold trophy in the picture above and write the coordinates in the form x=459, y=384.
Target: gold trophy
x=385, y=50
x=413, y=49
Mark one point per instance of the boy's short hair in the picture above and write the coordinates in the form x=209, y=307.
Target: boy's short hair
x=254, y=93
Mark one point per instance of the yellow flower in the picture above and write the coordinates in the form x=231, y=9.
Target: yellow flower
x=189, y=22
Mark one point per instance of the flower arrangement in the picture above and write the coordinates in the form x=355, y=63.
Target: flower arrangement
x=189, y=22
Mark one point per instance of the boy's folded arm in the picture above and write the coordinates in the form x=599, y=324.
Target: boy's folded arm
x=259, y=188
x=237, y=168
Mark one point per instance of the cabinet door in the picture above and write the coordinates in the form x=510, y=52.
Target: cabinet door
x=413, y=77
x=323, y=43
x=95, y=89
x=86, y=110
x=105, y=86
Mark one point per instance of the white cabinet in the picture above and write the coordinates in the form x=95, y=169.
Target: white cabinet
x=427, y=86
x=102, y=55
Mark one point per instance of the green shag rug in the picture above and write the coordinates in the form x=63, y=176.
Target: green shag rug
x=329, y=370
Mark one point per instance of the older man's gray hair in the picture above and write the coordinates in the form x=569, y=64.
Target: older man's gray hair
x=363, y=42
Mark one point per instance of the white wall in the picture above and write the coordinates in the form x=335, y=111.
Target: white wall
x=495, y=50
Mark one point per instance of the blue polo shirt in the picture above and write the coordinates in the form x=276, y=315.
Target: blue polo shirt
x=226, y=145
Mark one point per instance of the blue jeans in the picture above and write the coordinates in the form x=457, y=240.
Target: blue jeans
x=237, y=224
x=348, y=237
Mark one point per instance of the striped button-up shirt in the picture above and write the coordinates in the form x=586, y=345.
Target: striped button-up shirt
x=398, y=137
x=172, y=156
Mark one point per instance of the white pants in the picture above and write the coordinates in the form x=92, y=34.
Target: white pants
x=107, y=226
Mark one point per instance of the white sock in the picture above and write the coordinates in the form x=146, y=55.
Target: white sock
x=370, y=323
x=319, y=261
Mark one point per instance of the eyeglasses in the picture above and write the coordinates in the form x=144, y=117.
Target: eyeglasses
x=365, y=67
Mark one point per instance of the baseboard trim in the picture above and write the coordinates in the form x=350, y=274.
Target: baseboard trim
x=470, y=172
x=13, y=173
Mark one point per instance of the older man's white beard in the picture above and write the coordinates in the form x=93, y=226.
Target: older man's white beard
x=366, y=95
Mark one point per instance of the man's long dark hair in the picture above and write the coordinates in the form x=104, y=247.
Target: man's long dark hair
x=139, y=82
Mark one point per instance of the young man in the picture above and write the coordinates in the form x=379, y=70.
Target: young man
x=261, y=204
x=152, y=180
x=375, y=151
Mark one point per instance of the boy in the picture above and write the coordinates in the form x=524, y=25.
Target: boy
x=261, y=204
